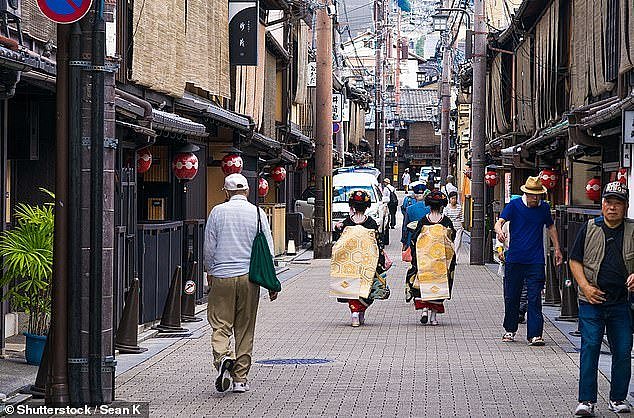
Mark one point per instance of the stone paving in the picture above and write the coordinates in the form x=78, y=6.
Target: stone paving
x=392, y=366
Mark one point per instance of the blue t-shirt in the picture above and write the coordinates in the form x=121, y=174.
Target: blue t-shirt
x=527, y=231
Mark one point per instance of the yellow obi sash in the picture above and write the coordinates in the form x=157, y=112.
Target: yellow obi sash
x=434, y=252
x=353, y=263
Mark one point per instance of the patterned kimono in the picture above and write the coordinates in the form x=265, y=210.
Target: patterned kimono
x=437, y=267
x=340, y=286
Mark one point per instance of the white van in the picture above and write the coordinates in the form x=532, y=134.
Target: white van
x=345, y=184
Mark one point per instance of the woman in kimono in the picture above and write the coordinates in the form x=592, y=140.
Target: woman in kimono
x=435, y=200
x=359, y=202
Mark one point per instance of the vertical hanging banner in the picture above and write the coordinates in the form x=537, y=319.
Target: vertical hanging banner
x=243, y=32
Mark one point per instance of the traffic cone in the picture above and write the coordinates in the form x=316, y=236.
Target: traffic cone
x=188, y=297
x=552, y=297
x=291, y=250
x=127, y=337
x=171, y=320
x=569, y=303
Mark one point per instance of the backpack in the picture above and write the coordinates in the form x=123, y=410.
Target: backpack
x=393, y=199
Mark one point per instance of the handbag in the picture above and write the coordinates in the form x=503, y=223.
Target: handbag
x=380, y=289
x=261, y=268
x=407, y=255
x=388, y=261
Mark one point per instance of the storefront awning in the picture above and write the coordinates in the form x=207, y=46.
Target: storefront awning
x=173, y=123
x=218, y=114
x=559, y=129
x=606, y=112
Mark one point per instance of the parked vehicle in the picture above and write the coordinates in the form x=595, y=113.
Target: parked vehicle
x=306, y=206
x=423, y=174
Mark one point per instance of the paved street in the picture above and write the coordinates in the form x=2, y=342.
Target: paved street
x=392, y=366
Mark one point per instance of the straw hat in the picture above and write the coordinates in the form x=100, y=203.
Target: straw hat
x=533, y=185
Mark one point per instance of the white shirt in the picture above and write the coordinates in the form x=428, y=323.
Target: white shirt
x=386, y=193
x=406, y=179
x=448, y=188
x=229, y=234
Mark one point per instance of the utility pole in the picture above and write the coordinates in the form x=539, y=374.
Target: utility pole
x=445, y=96
x=384, y=38
x=323, y=128
x=477, y=133
x=378, y=77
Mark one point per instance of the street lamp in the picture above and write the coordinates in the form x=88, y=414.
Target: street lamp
x=440, y=21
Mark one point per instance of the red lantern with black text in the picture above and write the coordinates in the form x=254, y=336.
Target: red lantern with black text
x=549, y=178
x=622, y=176
x=302, y=164
x=263, y=187
x=593, y=189
x=491, y=178
x=143, y=161
x=185, y=165
x=231, y=164
x=278, y=174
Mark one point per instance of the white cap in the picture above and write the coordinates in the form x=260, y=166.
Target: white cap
x=236, y=182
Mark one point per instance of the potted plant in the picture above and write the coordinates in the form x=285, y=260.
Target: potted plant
x=27, y=252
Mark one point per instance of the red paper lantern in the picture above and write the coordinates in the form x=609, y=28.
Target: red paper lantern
x=491, y=178
x=550, y=178
x=593, y=189
x=185, y=165
x=302, y=164
x=278, y=174
x=467, y=172
x=231, y=164
x=143, y=161
x=263, y=187
x=622, y=176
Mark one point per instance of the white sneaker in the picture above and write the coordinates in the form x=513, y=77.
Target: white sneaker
x=361, y=318
x=240, y=387
x=619, y=406
x=585, y=409
x=223, y=380
x=355, y=319
x=432, y=318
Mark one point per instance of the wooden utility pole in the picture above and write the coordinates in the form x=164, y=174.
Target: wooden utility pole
x=445, y=95
x=378, y=83
x=477, y=133
x=323, y=128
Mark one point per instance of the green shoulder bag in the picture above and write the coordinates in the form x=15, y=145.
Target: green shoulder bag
x=261, y=268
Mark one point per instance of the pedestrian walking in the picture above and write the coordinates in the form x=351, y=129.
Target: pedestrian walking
x=525, y=258
x=454, y=212
x=357, y=232
x=449, y=186
x=390, y=198
x=413, y=213
x=406, y=180
x=430, y=277
x=602, y=263
x=502, y=248
x=233, y=299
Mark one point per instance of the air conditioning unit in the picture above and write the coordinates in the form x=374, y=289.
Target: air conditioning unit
x=11, y=7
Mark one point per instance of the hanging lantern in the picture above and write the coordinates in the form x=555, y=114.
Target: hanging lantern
x=263, y=187
x=549, y=178
x=231, y=164
x=622, y=176
x=302, y=164
x=278, y=174
x=467, y=172
x=491, y=178
x=593, y=189
x=185, y=165
x=143, y=161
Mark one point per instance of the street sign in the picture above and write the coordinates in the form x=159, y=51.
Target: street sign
x=64, y=11
x=243, y=32
x=312, y=74
x=337, y=107
x=628, y=126
x=190, y=287
x=336, y=127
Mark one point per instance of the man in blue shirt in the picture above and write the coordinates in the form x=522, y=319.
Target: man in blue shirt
x=525, y=258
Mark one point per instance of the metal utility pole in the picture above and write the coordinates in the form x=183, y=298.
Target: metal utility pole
x=384, y=38
x=477, y=133
x=323, y=128
x=378, y=85
x=445, y=95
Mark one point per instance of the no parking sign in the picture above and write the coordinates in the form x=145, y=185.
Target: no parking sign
x=64, y=11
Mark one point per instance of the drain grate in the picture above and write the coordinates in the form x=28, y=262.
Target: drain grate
x=283, y=361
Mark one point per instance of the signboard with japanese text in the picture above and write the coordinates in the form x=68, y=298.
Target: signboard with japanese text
x=243, y=32
x=627, y=156
x=337, y=107
x=346, y=111
x=507, y=187
x=312, y=74
x=628, y=126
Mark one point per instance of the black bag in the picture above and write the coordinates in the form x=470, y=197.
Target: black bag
x=261, y=268
x=393, y=199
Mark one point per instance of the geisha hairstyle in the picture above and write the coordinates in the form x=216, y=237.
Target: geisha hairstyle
x=359, y=200
x=436, y=200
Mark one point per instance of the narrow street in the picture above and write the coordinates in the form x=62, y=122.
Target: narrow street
x=392, y=366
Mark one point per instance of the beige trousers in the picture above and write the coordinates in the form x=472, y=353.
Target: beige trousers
x=232, y=309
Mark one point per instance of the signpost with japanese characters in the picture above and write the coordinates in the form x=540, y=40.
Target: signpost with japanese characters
x=243, y=32
x=312, y=74
x=337, y=107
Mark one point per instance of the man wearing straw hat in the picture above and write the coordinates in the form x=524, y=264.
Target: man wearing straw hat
x=525, y=258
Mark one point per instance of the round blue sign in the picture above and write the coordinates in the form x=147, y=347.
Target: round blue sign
x=64, y=11
x=336, y=127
